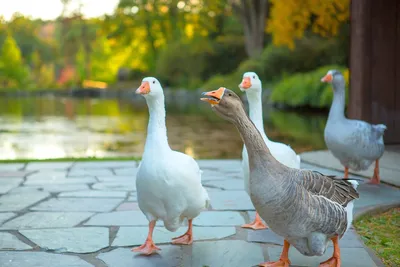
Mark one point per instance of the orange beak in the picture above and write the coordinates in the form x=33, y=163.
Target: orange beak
x=213, y=97
x=327, y=78
x=144, y=89
x=246, y=83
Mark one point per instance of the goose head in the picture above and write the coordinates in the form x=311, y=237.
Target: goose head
x=225, y=103
x=150, y=88
x=336, y=78
x=250, y=83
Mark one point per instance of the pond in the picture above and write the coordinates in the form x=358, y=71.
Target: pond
x=58, y=127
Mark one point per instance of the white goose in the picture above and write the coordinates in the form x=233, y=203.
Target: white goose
x=168, y=182
x=251, y=84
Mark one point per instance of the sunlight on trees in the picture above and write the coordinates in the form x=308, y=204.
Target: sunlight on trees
x=13, y=70
x=289, y=19
x=184, y=42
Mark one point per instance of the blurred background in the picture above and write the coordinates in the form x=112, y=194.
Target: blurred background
x=68, y=69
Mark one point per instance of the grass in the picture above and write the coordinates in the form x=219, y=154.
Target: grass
x=69, y=159
x=381, y=233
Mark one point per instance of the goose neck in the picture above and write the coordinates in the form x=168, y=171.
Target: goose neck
x=258, y=152
x=339, y=100
x=255, y=109
x=156, y=129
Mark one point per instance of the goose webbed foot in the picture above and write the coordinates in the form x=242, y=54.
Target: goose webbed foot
x=257, y=224
x=148, y=247
x=283, y=260
x=334, y=261
x=186, y=238
x=279, y=263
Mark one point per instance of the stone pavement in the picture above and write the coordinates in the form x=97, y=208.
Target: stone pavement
x=389, y=164
x=85, y=214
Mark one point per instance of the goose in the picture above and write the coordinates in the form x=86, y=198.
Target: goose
x=251, y=84
x=168, y=182
x=355, y=143
x=305, y=207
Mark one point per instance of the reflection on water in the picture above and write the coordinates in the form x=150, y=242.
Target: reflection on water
x=48, y=127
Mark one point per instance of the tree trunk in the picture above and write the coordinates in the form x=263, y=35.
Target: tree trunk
x=253, y=16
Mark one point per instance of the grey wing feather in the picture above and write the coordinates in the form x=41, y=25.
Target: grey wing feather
x=334, y=189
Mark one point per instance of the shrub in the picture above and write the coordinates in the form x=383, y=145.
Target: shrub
x=226, y=54
x=230, y=81
x=306, y=89
x=310, y=53
x=180, y=65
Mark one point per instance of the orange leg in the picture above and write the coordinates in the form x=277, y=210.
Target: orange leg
x=186, y=238
x=283, y=260
x=376, y=178
x=346, y=172
x=148, y=247
x=334, y=261
x=256, y=225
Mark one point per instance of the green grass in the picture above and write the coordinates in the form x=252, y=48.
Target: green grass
x=69, y=159
x=381, y=233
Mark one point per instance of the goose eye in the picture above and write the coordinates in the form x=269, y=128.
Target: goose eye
x=230, y=94
x=254, y=77
x=154, y=82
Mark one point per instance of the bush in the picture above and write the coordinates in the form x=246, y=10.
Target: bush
x=187, y=65
x=277, y=62
x=230, y=81
x=179, y=64
x=226, y=54
x=306, y=89
x=310, y=53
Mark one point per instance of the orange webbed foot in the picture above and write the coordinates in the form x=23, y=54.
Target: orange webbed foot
x=375, y=180
x=331, y=262
x=185, y=239
x=257, y=224
x=147, y=248
x=279, y=263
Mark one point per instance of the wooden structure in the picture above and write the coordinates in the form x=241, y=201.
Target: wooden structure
x=375, y=64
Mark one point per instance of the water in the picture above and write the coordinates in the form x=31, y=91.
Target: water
x=50, y=127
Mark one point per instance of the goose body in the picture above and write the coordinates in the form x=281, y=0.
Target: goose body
x=306, y=208
x=168, y=182
x=170, y=189
x=355, y=143
x=251, y=84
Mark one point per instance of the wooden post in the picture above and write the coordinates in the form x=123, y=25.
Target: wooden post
x=375, y=64
x=360, y=65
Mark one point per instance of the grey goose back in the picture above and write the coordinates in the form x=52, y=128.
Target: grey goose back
x=306, y=208
x=355, y=143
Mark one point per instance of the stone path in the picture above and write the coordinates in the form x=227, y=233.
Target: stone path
x=388, y=164
x=85, y=214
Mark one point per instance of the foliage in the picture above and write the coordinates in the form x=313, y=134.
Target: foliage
x=381, y=232
x=306, y=89
x=310, y=53
x=230, y=81
x=175, y=64
x=184, y=43
x=14, y=72
x=289, y=19
x=277, y=62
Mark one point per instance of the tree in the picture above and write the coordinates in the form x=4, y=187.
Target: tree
x=253, y=16
x=289, y=19
x=15, y=73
